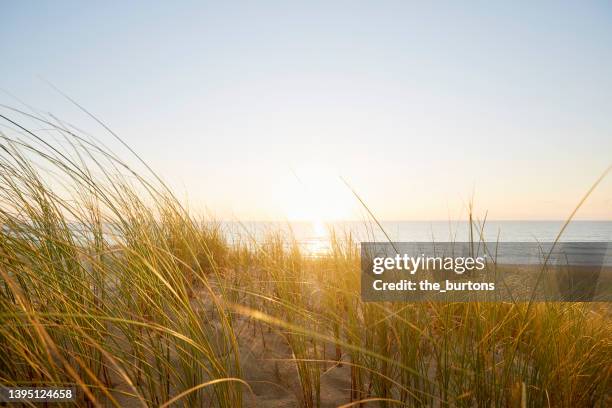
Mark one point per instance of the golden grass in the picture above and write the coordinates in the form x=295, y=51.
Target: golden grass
x=109, y=284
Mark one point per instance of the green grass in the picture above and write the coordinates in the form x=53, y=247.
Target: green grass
x=109, y=284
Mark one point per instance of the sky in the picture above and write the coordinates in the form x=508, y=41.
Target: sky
x=267, y=110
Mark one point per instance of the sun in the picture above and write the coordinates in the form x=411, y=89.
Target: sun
x=316, y=194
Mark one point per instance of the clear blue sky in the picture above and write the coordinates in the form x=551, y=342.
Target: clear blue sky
x=252, y=110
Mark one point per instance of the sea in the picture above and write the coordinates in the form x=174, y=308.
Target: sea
x=314, y=237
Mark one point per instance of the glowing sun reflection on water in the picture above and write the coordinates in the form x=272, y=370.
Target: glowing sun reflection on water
x=319, y=243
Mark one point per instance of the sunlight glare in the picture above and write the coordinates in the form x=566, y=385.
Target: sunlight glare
x=316, y=194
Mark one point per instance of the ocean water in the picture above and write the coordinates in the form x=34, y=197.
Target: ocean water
x=313, y=237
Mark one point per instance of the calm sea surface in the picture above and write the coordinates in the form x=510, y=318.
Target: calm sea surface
x=314, y=237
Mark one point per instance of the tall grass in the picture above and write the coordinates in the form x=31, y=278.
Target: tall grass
x=107, y=283
x=98, y=271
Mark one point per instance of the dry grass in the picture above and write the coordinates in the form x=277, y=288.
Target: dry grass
x=109, y=284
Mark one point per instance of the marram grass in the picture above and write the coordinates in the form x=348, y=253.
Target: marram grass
x=108, y=284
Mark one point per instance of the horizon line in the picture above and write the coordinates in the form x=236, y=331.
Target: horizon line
x=416, y=220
